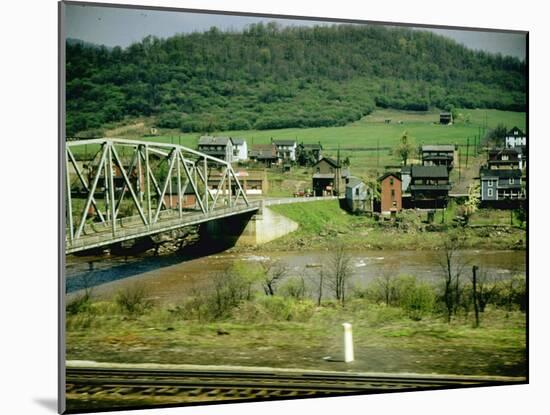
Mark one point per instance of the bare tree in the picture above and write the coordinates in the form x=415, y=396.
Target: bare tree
x=338, y=272
x=274, y=272
x=452, y=267
x=320, y=290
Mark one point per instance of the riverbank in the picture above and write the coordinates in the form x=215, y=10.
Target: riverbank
x=324, y=224
x=386, y=339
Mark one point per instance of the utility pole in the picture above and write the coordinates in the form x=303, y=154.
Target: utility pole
x=377, y=155
x=467, y=150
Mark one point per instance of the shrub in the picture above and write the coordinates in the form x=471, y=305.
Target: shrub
x=80, y=304
x=133, y=300
x=275, y=308
x=293, y=287
x=417, y=299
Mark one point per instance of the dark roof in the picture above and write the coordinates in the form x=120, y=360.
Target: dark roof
x=217, y=141
x=501, y=174
x=284, y=142
x=396, y=175
x=263, y=151
x=439, y=172
x=520, y=132
x=330, y=161
x=494, y=151
x=430, y=187
x=438, y=147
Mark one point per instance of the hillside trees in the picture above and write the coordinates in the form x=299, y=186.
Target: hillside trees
x=272, y=77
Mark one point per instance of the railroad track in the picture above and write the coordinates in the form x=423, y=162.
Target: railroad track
x=170, y=385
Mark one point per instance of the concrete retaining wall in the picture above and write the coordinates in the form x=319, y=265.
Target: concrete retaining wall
x=260, y=228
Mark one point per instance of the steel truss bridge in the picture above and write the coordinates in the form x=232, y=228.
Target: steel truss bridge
x=118, y=190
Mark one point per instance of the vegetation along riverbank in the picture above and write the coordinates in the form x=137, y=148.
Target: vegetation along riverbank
x=264, y=315
x=322, y=223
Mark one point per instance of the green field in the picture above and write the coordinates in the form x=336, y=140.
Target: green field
x=370, y=132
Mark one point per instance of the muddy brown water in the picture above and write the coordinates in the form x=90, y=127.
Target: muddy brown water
x=170, y=278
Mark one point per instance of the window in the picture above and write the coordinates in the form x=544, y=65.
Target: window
x=490, y=183
x=511, y=180
x=393, y=194
x=490, y=192
x=505, y=157
x=357, y=192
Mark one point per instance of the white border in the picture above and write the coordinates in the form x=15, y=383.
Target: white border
x=28, y=100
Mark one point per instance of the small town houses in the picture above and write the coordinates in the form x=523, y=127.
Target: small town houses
x=425, y=185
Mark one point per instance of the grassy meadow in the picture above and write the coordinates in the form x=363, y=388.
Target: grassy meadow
x=358, y=140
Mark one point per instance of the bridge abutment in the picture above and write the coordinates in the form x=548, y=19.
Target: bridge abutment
x=248, y=229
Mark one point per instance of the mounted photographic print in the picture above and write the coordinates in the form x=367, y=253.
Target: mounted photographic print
x=263, y=207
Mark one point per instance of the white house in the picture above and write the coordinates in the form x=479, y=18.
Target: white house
x=515, y=138
x=286, y=149
x=240, y=149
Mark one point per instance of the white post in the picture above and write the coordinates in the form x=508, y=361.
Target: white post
x=348, y=343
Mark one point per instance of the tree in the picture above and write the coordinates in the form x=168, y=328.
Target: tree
x=338, y=272
x=472, y=203
x=496, y=136
x=452, y=267
x=405, y=149
x=274, y=272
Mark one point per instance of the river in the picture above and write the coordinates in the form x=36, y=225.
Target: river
x=169, y=278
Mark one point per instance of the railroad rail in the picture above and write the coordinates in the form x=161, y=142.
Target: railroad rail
x=171, y=386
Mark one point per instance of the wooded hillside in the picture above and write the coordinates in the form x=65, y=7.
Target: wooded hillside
x=270, y=77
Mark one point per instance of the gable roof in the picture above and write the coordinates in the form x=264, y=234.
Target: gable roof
x=263, y=151
x=354, y=181
x=501, y=174
x=330, y=161
x=435, y=172
x=217, y=141
x=511, y=151
x=388, y=174
x=514, y=130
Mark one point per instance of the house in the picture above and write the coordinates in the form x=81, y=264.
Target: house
x=265, y=154
x=307, y=153
x=505, y=159
x=240, y=149
x=501, y=185
x=515, y=138
x=286, y=149
x=219, y=147
x=438, y=155
x=445, y=118
x=429, y=186
x=390, y=193
x=358, y=196
x=329, y=178
x=253, y=182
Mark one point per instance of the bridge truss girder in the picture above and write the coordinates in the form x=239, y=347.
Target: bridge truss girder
x=140, y=174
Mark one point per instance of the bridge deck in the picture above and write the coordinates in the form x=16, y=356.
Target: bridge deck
x=127, y=229
x=170, y=221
